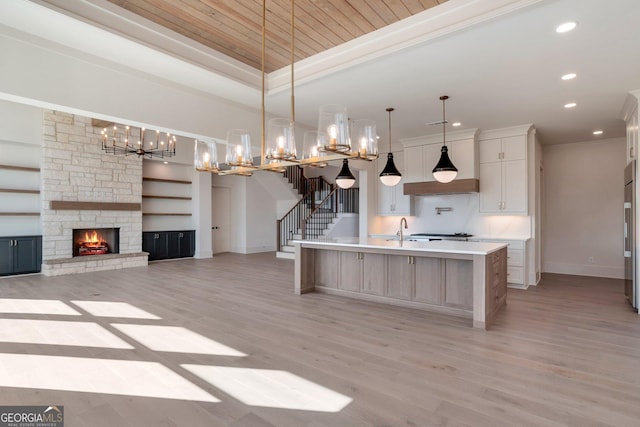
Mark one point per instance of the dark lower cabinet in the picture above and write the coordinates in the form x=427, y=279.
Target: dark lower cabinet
x=169, y=244
x=20, y=254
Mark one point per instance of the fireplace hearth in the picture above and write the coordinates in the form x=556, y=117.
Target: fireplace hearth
x=96, y=241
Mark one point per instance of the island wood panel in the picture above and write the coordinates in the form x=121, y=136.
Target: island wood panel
x=326, y=268
x=401, y=277
x=429, y=280
x=496, y=288
x=350, y=271
x=374, y=273
x=458, y=289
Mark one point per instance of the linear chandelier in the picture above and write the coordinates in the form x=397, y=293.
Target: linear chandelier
x=337, y=137
x=142, y=143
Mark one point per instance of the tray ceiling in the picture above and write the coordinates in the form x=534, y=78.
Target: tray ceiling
x=235, y=27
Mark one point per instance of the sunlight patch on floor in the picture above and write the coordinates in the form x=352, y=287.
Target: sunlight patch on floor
x=114, y=309
x=36, y=306
x=56, y=332
x=79, y=374
x=175, y=339
x=271, y=388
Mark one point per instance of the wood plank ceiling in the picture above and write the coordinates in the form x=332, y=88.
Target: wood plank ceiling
x=234, y=27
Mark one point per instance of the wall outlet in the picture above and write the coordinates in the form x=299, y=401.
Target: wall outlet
x=590, y=259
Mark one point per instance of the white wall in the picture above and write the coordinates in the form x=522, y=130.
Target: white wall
x=583, y=192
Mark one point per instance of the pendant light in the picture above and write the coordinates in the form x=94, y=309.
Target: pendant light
x=390, y=175
x=345, y=178
x=444, y=171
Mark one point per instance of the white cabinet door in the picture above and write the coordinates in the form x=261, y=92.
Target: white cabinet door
x=491, y=187
x=490, y=150
x=514, y=147
x=430, y=158
x=503, y=175
x=514, y=187
x=413, y=164
x=632, y=135
x=462, y=155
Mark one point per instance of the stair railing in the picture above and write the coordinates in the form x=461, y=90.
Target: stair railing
x=339, y=200
x=292, y=221
x=295, y=177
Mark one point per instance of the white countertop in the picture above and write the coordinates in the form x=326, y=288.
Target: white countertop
x=438, y=246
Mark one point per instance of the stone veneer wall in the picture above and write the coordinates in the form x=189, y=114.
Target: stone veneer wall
x=74, y=168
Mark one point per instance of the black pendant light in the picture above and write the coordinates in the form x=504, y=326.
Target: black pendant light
x=444, y=171
x=345, y=178
x=390, y=175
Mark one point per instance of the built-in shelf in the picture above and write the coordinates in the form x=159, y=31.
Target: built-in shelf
x=164, y=214
x=166, y=197
x=19, y=168
x=17, y=190
x=172, y=181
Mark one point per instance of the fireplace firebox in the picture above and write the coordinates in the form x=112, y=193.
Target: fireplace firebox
x=96, y=241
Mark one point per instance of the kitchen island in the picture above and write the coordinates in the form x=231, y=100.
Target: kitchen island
x=466, y=279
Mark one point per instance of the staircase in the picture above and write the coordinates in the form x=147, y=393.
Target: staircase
x=315, y=213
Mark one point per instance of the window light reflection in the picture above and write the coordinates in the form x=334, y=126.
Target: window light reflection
x=175, y=339
x=271, y=388
x=56, y=332
x=79, y=374
x=36, y=306
x=114, y=309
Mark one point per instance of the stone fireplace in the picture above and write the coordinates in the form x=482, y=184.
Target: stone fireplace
x=84, y=188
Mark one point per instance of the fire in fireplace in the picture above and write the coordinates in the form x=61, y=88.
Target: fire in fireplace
x=97, y=241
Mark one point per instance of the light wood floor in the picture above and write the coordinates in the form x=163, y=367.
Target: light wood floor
x=564, y=353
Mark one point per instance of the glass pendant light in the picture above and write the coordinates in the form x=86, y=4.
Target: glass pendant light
x=206, y=156
x=345, y=178
x=311, y=152
x=390, y=175
x=280, y=144
x=444, y=171
x=365, y=139
x=239, y=148
x=333, y=128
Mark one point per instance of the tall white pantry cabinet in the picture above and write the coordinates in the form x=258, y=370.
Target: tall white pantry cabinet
x=503, y=171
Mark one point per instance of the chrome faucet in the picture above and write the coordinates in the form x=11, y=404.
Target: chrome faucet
x=403, y=219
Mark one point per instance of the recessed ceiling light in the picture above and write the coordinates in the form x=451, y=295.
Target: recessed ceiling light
x=569, y=76
x=570, y=105
x=456, y=124
x=597, y=132
x=566, y=26
x=166, y=163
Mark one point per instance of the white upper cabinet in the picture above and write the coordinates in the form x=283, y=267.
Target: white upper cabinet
x=509, y=148
x=413, y=164
x=503, y=171
x=421, y=155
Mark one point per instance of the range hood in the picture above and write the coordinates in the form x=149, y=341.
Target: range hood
x=457, y=186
